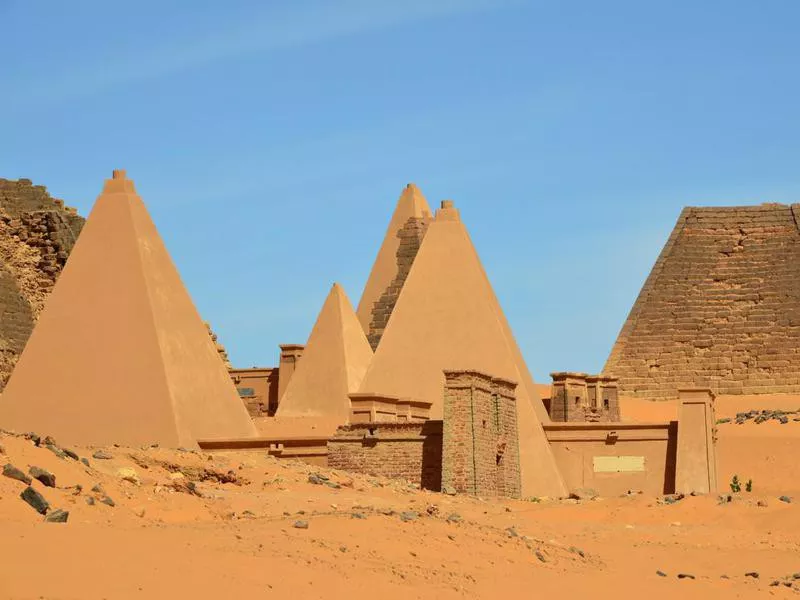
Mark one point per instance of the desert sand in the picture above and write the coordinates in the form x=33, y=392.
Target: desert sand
x=210, y=525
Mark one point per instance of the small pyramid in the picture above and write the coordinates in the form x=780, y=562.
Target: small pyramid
x=120, y=353
x=448, y=317
x=410, y=206
x=334, y=362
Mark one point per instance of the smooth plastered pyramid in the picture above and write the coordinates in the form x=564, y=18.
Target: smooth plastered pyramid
x=448, y=317
x=411, y=205
x=120, y=353
x=334, y=362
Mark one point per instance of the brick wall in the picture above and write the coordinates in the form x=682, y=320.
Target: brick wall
x=411, y=236
x=410, y=451
x=720, y=309
x=480, y=440
x=37, y=233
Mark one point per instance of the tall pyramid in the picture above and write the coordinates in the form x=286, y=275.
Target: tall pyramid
x=393, y=263
x=334, y=362
x=448, y=317
x=720, y=309
x=120, y=353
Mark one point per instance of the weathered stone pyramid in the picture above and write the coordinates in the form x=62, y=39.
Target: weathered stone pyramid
x=720, y=309
x=395, y=257
x=37, y=233
x=334, y=362
x=448, y=317
x=120, y=353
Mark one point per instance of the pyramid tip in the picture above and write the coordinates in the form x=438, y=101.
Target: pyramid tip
x=119, y=183
x=118, y=174
x=448, y=211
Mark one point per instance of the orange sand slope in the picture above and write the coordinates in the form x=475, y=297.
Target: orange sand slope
x=199, y=525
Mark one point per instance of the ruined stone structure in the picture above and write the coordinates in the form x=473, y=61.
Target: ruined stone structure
x=120, y=354
x=37, y=233
x=408, y=450
x=720, y=309
x=480, y=440
x=258, y=389
x=410, y=236
x=393, y=262
x=579, y=398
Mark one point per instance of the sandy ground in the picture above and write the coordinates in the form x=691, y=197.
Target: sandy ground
x=177, y=532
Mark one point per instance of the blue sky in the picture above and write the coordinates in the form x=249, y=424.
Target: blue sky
x=271, y=140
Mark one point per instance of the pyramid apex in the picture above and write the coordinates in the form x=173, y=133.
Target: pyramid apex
x=448, y=211
x=118, y=183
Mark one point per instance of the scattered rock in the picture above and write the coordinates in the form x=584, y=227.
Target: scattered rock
x=661, y=573
x=108, y=501
x=46, y=477
x=753, y=574
x=577, y=551
x=333, y=485
x=35, y=438
x=102, y=455
x=762, y=503
x=671, y=498
x=540, y=556
x=785, y=499
x=409, y=516
x=685, y=576
x=35, y=499
x=57, y=451
x=358, y=515
x=128, y=474
x=511, y=532
x=13, y=472
x=317, y=478
x=85, y=461
x=584, y=494
x=300, y=525
x=57, y=516
x=723, y=420
x=449, y=490
x=89, y=500
x=98, y=489
x=796, y=576
x=73, y=455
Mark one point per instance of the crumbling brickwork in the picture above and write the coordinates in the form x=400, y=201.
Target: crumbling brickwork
x=410, y=451
x=480, y=439
x=37, y=233
x=411, y=236
x=720, y=309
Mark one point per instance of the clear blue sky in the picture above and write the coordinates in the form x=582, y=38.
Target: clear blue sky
x=271, y=140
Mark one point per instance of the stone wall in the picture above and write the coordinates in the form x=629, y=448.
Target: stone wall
x=720, y=309
x=37, y=233
x=410, y=451
x=480, y=440
x=411, y=236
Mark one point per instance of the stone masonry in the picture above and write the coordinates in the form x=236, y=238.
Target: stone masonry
x=480, y=440
x=720, y=309
x=582, y=398
x=411, y=236
x=37, y=233
x=411, y=451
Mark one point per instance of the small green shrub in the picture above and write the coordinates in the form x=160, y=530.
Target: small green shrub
x=748, y=487
x=736, y=486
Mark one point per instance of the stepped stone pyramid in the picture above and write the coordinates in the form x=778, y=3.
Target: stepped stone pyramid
x=37, y=233
x=393, y=263
x=720, y=309
x=334, y=362
x=120, y=353
x=447, y=318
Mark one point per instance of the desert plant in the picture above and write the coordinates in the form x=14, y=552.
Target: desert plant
x=748, y=487
x=736, y=486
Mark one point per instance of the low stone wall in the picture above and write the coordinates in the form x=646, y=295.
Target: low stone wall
x=410, y=451
x=612, y=458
